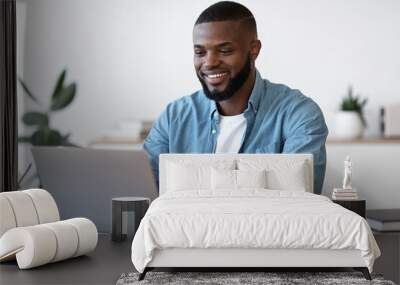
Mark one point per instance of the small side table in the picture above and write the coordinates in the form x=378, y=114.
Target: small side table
x=357, y=206
x=121, y=206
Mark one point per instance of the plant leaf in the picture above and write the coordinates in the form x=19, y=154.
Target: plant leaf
x=66, y=141
x=24, y=139
x=46, y=136
x=66, y=138
x=29, y=181
x=353, y=102
x=27, y=91
x=363, y=120
x=24, y=174
x=60, y=83
x=35, y=119
x=350, y=92
x=64, y=97
x=364, y=102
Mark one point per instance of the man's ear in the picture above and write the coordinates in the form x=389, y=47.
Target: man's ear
x=255, y=47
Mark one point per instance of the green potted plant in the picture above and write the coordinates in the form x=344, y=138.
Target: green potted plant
x=44, y=133
x=350, y=121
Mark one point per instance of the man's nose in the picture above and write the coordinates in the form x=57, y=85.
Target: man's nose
x=212, y=60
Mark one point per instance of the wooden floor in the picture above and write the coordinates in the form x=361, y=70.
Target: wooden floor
x=103, y=266
x=111, y=259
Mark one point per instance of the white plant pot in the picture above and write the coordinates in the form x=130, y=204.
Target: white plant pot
x=348, y=125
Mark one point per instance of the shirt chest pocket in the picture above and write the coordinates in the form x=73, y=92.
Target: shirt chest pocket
x=269, y=148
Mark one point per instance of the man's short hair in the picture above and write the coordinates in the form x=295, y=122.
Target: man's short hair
x=228, y=11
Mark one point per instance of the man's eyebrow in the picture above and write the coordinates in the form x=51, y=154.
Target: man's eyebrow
x=219, y=45
x=225, y=44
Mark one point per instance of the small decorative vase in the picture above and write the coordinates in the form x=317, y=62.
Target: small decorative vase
x=348, y=125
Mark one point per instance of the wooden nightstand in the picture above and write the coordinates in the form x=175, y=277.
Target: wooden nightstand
x=357, y=206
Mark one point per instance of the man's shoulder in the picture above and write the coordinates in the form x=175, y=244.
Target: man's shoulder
x=284, y=97
x=293, y=107
x=282, y=92
x=186, y=103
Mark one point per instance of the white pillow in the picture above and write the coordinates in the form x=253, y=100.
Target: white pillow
x=293, y=178
x=237, y=179
x=281, y=174
x=186, y=175
x=183, y=177
x=223, y=179
x=251, y=178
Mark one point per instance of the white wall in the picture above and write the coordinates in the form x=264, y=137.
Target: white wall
x=375, y=172
x=130, y=58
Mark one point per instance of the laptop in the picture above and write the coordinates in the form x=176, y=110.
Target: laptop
x=83, y=181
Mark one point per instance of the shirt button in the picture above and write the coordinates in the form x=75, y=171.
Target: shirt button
x=213, y=131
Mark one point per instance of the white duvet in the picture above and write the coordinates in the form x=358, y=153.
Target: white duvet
x=250, y=219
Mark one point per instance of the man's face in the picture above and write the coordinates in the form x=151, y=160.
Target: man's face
x=222, y=58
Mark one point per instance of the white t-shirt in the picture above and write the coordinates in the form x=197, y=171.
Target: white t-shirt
x=231, y=132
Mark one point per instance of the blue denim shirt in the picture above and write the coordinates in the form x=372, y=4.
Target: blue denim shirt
x=279, y=120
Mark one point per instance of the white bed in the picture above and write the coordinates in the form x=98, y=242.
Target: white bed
x=201, y=219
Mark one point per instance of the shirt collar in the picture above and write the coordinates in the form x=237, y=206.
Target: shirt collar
x=256, y=93
x=254, y=99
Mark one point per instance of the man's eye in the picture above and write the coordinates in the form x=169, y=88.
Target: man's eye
x=199, y=52
x=225, y=51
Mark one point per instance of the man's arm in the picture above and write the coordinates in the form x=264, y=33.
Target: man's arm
x=157, y=141
x=306, y=132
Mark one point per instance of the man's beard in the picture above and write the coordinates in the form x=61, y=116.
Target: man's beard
x=233, y=86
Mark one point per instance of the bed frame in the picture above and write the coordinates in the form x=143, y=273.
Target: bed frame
x=250, y=259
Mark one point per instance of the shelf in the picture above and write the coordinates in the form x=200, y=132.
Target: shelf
x=127, y=141
x=112, y=141
x=364, y=141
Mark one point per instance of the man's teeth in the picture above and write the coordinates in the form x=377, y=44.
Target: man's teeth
x=218, y=75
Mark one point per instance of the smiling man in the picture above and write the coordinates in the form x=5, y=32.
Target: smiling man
x=237, y=111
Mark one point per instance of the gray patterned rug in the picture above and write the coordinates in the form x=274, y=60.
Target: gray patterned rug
x=243, y=278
